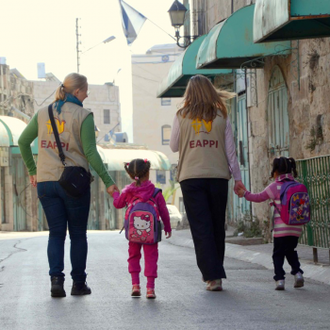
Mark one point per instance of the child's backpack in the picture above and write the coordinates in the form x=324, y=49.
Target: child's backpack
x=295, y=203
x=142, y=221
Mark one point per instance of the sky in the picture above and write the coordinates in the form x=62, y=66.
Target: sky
x=44, y=31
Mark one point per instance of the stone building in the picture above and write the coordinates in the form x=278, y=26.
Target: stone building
x=103, y=101
x=282, y=86
x=16, y=108
x=152, y=116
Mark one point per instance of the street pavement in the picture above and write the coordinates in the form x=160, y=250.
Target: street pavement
x=247, y=302
x=261, y=254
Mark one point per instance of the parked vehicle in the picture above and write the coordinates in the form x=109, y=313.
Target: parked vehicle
x=175, y=215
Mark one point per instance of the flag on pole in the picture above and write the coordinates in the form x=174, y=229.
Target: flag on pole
x=132, y=21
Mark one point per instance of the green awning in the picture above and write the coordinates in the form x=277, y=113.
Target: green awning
x=13, y=128
x=115, y=158
x=291, y=19
x=230, y=44
x=175, y=83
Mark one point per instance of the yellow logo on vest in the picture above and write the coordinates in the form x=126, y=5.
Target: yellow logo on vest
x=59, y=125
x=202, y=126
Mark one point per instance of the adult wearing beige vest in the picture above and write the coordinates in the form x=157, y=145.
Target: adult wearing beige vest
x=202, y=134
x=76, y=129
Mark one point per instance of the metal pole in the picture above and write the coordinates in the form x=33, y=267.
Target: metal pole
x=77, y=44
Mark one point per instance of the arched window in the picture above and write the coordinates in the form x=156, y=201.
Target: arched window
x=277, y=115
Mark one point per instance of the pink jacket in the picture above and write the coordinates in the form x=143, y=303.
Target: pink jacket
x=273, y=192
x=144, y=192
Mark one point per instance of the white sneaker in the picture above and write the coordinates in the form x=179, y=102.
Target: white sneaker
x=299, y=280
x=280, y=285
x=215, y=285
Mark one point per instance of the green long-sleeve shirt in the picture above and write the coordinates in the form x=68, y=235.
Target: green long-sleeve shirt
x=87, y=134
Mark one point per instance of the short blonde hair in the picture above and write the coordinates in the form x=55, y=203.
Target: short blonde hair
x=202, y=100
x=71, y=82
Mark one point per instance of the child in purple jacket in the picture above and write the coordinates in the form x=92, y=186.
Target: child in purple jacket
x=285, y=236
x=138, y=170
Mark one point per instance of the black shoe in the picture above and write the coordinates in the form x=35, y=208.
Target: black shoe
x=80, y=289
x=57, y=289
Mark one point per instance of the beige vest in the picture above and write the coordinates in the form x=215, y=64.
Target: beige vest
x=50, y=167
x=202, y=150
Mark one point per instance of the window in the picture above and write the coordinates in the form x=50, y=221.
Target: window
x=165, y=101
x=160, y=176
x=106, y=116
x=166, y=134
x=3, y=196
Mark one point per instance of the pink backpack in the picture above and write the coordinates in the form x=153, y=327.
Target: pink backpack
x=142, y=221
x=295, y=203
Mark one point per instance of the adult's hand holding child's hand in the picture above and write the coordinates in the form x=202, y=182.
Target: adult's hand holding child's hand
x=241, y=192
x=112, y=189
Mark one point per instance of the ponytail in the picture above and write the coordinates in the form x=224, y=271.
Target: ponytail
x=71, y=82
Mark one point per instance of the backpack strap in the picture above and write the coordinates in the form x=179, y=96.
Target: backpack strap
x=156, y=191
x=284, y=188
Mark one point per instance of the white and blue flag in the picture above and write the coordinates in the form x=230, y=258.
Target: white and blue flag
x=132, y=21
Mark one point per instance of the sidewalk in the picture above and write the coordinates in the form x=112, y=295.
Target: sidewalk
x=261, y=254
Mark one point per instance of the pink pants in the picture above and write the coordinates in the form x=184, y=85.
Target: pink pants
x=150, y=260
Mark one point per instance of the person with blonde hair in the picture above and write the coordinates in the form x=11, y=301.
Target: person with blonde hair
x=202, y=134
x=76, y=129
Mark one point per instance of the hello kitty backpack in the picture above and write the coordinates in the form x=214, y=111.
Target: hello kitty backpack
x=142, y=221
x=295, y=203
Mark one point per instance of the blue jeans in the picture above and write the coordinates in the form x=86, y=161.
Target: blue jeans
x=62, y=212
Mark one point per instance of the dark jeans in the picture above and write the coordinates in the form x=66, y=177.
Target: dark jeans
x=205, y=202
x=285, y=247
x=62, y=212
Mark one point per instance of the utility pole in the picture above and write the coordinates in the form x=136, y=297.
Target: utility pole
x=78, y=44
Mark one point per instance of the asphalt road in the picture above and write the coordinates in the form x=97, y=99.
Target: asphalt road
x=248, y=301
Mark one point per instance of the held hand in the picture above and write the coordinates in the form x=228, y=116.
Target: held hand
x=33, y=180
x=238, y=185
x=112, y=189
x=241, y=192
x=168, y=234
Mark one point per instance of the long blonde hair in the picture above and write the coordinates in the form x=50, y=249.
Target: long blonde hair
x=71, y=82
x=202, y=100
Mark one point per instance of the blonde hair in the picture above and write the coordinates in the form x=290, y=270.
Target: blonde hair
x=202, y=100
x=71, y=82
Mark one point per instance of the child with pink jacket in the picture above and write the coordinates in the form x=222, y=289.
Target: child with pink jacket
x=285, y=236
x=138, y=170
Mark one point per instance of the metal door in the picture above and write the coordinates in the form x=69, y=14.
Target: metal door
x=277, y=115
x=238, y=208
x=241, y=205
x=19, y=198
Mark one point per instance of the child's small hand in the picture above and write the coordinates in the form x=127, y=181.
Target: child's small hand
x=112, y=189
x=168, y=234
x=241, y=192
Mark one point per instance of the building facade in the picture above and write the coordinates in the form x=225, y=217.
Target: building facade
x=282, y=104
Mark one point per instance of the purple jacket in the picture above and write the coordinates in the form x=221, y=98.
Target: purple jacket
x=145, y=191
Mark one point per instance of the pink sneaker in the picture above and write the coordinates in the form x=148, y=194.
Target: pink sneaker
x=215, y=285
x=151, y=293
x=136, y=291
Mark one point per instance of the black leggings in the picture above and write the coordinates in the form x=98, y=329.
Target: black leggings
x=205, y=201
x=284, y=247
